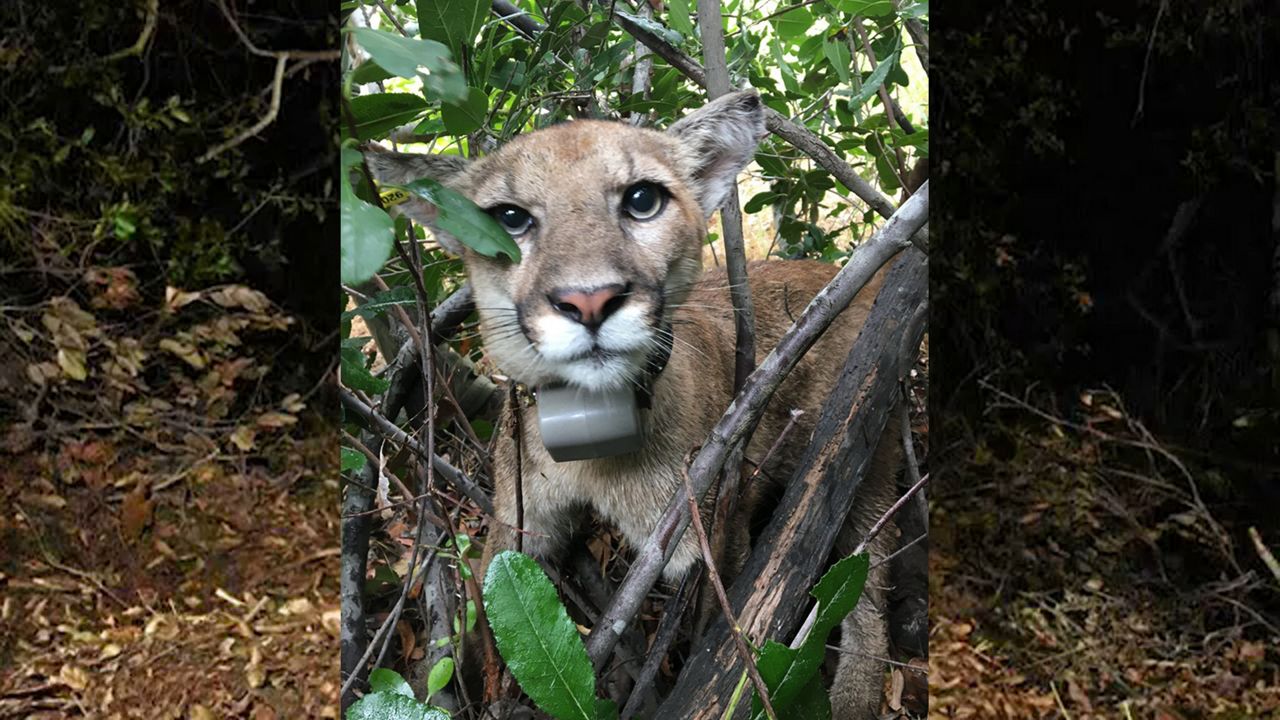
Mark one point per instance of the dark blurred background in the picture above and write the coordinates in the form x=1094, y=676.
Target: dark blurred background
x=1105, y=338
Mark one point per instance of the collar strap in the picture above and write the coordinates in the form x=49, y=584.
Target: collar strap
x=654, y=365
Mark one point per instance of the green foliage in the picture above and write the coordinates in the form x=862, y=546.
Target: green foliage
x=795, y=687
x=391, y=698
x=538, y=640
x=460, y=217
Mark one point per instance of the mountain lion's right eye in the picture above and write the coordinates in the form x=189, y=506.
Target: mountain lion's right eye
x=514, y=220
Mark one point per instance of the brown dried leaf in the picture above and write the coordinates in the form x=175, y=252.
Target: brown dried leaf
x=72, y=363
x=175, y=298
x=276, y=420
x=243, y=438
x=189, y=353
x=135, y=511
x=240, y=296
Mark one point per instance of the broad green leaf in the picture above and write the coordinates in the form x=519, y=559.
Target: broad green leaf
x=366, y=237
x=678, y=16
x=812, y=703
x=460, y=217
x=838, y=55
x=378, y=304
x=788, y=75
x=454, y=23
x=537, y=639
x=886, y=173
x=392, y=706
x=384, y=680
x=788, y=672
x=439, y=676
x=352, y=460
x=865, y=8
x=873, y=82
x=370, y=72
x=469, y=115
x=410, y=58
x=356, y=376
x=794, y=22
x=378, y=114
x=760, y=201
x=606, y=710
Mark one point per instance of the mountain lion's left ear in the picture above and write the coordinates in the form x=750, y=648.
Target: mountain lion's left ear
x=717, y=141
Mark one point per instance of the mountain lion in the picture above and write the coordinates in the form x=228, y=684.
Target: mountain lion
x=610, y=300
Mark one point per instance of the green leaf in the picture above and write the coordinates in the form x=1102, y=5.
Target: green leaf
x=794, y=22
x=838, y=55
x=760, y=201
x=370, y=72
x=865, y=8
x=439, y=676
x=678, y=16
x=411, y=57
x=788, y=75
x=384, y=680
x=378, y=114
x=454, y=23
x=873, y=82
x=392, y=706
x=356, y=376
x=812, y=703
x=788, y=672
x=352, y=459
x=469, y=115
x=537, y=639
x=366, y=237
x=460, y=217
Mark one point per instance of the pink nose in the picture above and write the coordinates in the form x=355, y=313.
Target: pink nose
x=589, y=307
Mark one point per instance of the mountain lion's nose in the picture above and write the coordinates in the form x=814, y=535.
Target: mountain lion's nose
x=589, y=307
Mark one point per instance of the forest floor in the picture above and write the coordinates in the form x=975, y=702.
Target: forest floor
x=169, y=531
x=1107, y=585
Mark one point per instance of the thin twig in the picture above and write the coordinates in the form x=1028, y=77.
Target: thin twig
x=148, y=27
x=714, y=576
x=1146, y=64
x=1265, y=553
x=893, y=510
x=388, y=430
x=277, y=86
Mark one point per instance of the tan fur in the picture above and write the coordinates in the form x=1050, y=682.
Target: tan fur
x=571, y=178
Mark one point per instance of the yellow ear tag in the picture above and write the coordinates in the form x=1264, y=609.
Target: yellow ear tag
x=394, y=196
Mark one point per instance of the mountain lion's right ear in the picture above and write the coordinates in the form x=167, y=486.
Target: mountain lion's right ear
x=718, y=140
x=396, y=168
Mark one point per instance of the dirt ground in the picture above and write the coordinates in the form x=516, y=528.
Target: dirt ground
x=169, y=534
x=214, y=597
x=1076, y=574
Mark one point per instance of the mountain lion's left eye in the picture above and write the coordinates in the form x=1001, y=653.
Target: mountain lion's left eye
x=644, y=200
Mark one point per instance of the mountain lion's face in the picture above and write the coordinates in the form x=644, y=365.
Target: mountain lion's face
x=610, y=221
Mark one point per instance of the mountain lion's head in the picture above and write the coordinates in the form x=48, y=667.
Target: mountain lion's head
x=610, y=220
